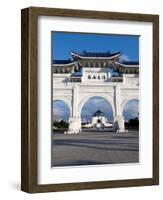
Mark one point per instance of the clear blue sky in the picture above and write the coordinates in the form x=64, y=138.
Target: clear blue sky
x=63, y=43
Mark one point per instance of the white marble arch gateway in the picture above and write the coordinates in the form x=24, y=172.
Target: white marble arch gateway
x=75, y=82
x=75, y=95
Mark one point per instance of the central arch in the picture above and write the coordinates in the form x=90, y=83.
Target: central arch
x=107, y=98
x=97, y=106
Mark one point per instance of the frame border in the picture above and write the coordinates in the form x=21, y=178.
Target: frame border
x=29, y=99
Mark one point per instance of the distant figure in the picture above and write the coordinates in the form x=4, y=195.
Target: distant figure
x=116, y=126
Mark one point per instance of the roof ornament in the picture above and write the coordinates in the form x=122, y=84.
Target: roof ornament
x=98, y=113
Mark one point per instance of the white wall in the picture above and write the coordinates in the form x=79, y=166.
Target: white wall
x=10, y=98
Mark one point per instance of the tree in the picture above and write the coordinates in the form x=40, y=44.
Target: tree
x=60, y=125
x=132, y=123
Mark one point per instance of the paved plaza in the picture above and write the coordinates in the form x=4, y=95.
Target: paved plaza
x=94, y=147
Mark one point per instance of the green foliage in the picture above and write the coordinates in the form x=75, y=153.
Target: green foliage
x=60, y=125
x=132, y=123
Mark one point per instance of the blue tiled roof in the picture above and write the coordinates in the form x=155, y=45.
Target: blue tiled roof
x=98, y=113
x=116, y=74
x=130, y=62
x=77, y=73
x=62, y=61
x=97, y=54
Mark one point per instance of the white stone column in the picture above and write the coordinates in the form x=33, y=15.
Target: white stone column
x=118, y=118
x=75, y=120
x=119, y=124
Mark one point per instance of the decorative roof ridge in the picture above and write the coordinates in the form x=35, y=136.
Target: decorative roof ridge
x=129, y=62
x=82, y=56
x=98, y=112
x=65, y=64
x=125, y=64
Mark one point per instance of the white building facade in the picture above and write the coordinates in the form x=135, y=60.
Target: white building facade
x=99, y=120
x=90, y=75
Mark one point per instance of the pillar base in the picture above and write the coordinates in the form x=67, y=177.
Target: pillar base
x=74, y=125
x=119, y=124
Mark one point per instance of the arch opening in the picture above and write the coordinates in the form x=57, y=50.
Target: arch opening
x=60, y=115
x=96, y=112
x=131, y=114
